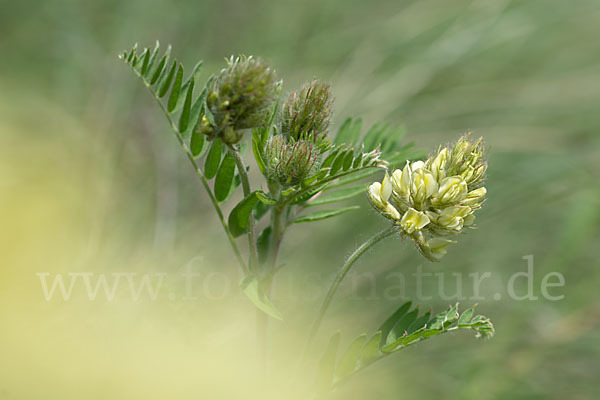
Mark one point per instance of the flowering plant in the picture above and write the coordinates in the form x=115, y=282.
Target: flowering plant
x=303, y=166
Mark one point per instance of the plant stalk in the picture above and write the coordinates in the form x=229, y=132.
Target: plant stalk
x=253, y=258
x=340, y=277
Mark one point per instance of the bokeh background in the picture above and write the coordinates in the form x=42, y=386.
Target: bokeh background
x=92, y=180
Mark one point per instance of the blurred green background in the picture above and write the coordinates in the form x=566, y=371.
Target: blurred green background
x=92, y=180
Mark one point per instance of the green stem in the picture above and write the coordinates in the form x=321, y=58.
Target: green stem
x=253, y=261
x=340, y=277
x=199, y=172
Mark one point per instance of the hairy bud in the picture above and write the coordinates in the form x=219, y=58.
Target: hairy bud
x=307, y=112
x=240, y=97
x=290, y=163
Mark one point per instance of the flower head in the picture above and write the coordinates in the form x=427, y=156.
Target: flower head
x=431, y=199
x=240, y=97
x=290, y=163
x=306, y=113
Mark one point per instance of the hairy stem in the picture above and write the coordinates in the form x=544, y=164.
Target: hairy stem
x=253, y=259
x=340, y=277
x=199, y=172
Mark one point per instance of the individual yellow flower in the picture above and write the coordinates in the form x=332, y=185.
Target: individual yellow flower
x=437, y=165
x=452, y=190
x=452, y=218
x=423, y=186
x=379, y=194
x=435, y=248
x=413, y=220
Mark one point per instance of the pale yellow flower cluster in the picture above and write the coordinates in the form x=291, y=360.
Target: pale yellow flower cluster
x=437, y=197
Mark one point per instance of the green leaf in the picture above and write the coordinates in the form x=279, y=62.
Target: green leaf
x=184, y=119
x=145, y=61
x=239, y=216
x=197, y=144
x=370, y=351
x=224, y=179
x=466, y=316
x=265, y=198
x=412, y=338
x=251, y=289
x=327, y=364
x=133, y=50
x=444, y=319
x=159, y=70
x=338, y=163
x=260, y=210
x=374, y=136
x=152, y=60
x=389, y=323
x=419, y=323
x=338, y=195
x=324, y=214
x=258, y=153
x=353, y=177
x=195, y=112
x=194, y=75
x=175, y=90
x=330, y=157
x=349, y=361
x=213, y=159
x=309, y=193
x=349, y=132
x=399, y=329
x=451, y=316
x=263, y=243
x=167, y=81
x=348, y=160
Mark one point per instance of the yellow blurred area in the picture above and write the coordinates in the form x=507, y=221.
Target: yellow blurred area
x=98, y=349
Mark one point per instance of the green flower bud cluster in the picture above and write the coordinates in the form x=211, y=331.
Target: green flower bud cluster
x=290, y=163
x=240, y=97
x=307, y=113
x=437, y=197
x=295, y=153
